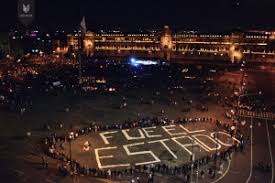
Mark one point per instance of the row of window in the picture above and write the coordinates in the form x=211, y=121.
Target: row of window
x=147, y=37
x=123, y=35
x=203, y=35
x=130, y=47
x=128, y=41
x=256, y=37
x=179, y=48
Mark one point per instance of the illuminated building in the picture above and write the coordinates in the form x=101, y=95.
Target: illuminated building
x=88, y=45
x=250, y=46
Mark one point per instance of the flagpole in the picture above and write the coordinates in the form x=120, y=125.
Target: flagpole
x=79, y=60
x=81, y=38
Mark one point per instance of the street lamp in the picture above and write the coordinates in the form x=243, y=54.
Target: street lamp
x=71, y=137
x=192, y=161
x=216, y=156
x=198, y=165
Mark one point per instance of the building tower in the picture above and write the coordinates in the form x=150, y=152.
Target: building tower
x=235, y=52
x=166, y=42
x=89, y=44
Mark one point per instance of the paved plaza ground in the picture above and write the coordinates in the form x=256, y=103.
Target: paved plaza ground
x=20, y=156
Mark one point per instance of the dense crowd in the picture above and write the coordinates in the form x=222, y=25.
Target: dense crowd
x=17, y=94
x=69, y=166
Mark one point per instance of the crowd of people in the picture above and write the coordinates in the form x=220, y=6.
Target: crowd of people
x=124, y=77
x=69, y=166
x=119, y=76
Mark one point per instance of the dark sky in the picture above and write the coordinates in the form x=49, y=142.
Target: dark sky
x=133, y=14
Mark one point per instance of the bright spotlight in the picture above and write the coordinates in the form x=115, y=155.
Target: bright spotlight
x=137, y=62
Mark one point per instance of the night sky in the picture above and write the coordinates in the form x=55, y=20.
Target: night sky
x=207, y=15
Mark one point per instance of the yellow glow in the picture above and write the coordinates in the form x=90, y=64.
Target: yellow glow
x=58, y=49
x=235, y=55
x=88, y=44
x=166, y=41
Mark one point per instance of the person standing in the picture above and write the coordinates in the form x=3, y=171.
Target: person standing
x=43, y=162
x=151, y=177
x=109, y=174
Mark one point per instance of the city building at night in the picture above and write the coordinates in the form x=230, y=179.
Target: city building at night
x=137, y=91
x=251, y=45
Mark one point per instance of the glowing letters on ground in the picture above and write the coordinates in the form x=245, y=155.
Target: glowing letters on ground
x=188, y=131
x=172, y=128
x=98, y=157
x=133, y=138
x=184, y=146
x=157, y=160
x=164, y=145
x=217, y=147
x=148, y=130
x=177, y=134
x=226, y=134
x=104, y=138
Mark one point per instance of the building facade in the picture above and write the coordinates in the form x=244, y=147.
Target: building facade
x=251, y=46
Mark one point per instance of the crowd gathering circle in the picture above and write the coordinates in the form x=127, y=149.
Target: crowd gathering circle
x=72, y=167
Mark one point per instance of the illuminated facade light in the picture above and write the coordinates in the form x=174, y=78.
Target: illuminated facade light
x=167, y=45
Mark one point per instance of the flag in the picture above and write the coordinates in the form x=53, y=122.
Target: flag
x=83, y=27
